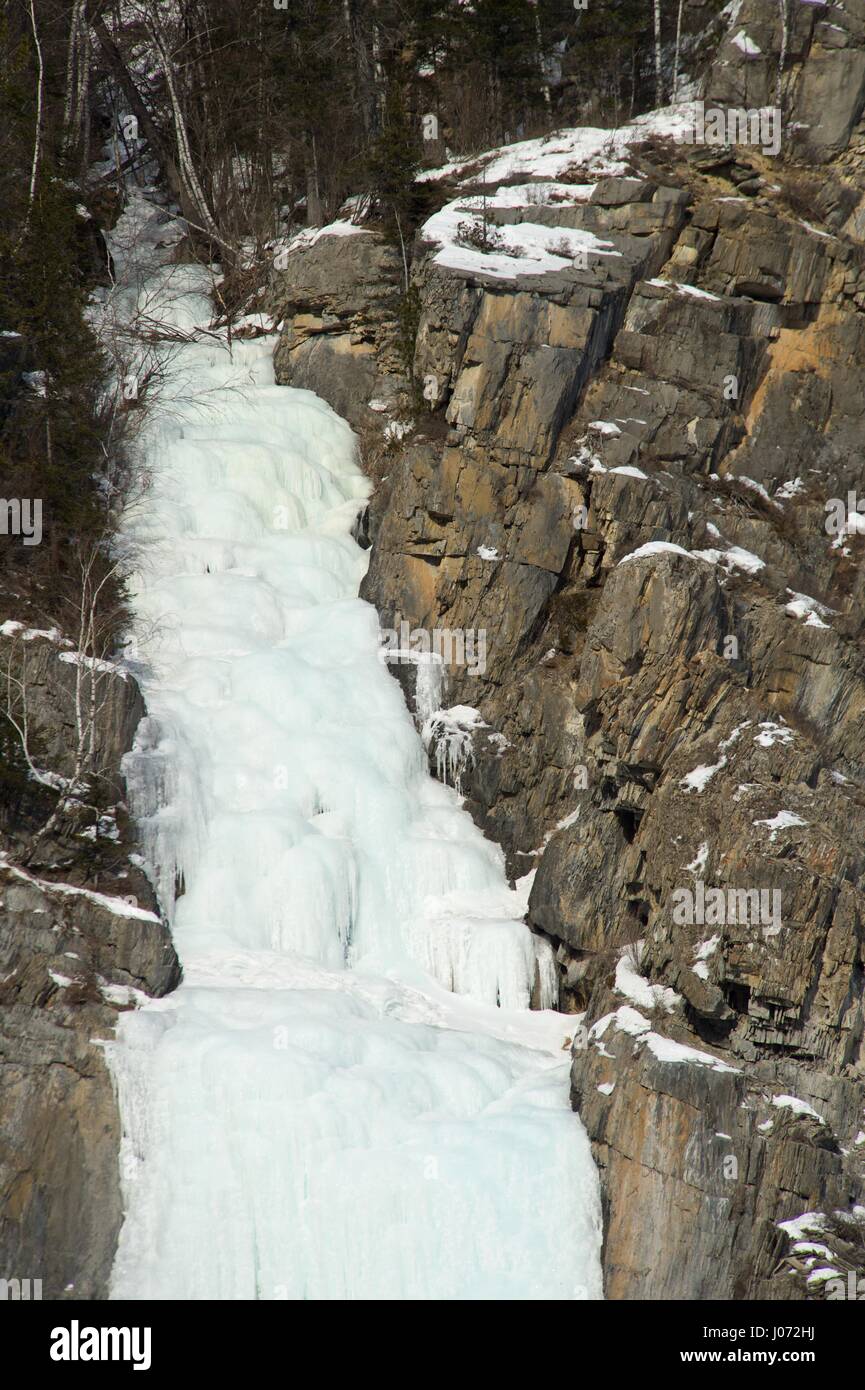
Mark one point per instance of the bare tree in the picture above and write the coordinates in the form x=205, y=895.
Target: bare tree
x=37, y=137
x=77, y=81
x=678, y=50
x=545, y=85
x=189, y=174
x=782, y=57
x=87, y=652
x=180, y=172
x=158, y=144
x=659, y=83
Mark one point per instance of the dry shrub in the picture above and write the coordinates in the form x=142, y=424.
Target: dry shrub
x=800, y=193
x=377, y=453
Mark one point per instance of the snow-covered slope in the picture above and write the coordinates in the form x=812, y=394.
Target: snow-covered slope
x=332, y=1105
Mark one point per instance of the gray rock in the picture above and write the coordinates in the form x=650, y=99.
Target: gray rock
x=339, y=300
x=684, y=716
x=80, y=934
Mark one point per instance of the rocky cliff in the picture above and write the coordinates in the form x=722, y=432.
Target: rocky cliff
x=80, y=939
x=635, y=473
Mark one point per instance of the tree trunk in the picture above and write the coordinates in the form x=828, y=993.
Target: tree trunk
x=783, y=54
x=678, y=49
x=659, y=86
x=314, y=214
x=37, y=137
x=544, y=83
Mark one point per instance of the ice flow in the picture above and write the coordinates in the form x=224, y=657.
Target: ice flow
x=348, y=1096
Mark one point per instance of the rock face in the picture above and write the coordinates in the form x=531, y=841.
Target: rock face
x=342, y=334
x=637, y=485
x=822, y=86
x=80, y=938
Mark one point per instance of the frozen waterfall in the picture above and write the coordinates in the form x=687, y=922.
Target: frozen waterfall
x=348, y=1096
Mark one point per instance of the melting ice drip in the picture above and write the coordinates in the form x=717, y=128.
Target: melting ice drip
x=347, y=1097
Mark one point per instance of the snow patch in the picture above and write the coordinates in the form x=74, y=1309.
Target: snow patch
x=118, y=907
x=799, y=1107
x=702, y=952
x=784, y=820
x=635, y=987
x=684, y=289
x=745, y=44
x=629, y=1021
x=698, y=779
x=514, y=250
x=772, y=733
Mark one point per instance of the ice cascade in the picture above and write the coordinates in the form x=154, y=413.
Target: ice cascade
x=348, y=1095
